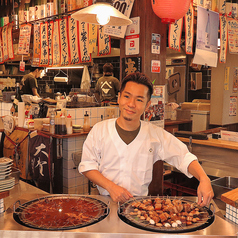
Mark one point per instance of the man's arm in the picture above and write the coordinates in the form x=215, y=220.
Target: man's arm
x=34, y=91
x=117, y=193
x=204, y=190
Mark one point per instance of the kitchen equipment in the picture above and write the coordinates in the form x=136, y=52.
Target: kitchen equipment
x=200, y=120
x=149, y=204
x=60, y=212
x=223, y=185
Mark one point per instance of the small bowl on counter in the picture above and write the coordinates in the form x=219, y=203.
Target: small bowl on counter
x=77, y=129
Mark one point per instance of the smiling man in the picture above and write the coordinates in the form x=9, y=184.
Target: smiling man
x=119, y=153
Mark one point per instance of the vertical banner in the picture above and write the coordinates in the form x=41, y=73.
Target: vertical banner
x=223, y=38
x=50, y=40
x=175, y=31
x=233, y=106
x=73, y=40
x=44, y=45
x=24, y=39
x=235, y=80
x=83, y=42
x=189, y=30
x=226, y=80
x=56, y=44
x=5, y=43
x=92, y=37
x=10, y=43
x=233, y=35
x=1, y=51
x=125, y=7
x=64, y=43
x=222, y=6
x=36, y=45
x=104, y=42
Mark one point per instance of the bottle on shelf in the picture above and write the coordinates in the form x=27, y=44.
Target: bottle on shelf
x=61, y=6
x=21, y=12
x=17, y=98
x=43, y=8
x=50, y=8
x=15, y=14
x=27, y=11
x=32, y=11
x=7, y=11
x=52, y=122
x=37, y=9
x=55, y=7
x=1, y=14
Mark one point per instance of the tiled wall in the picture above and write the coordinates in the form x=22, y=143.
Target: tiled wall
x=232, y=213
x=5, y=108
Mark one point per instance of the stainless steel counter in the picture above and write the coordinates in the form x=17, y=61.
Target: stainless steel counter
x=111, y=226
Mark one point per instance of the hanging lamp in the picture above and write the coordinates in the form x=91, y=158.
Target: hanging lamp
x=102, y=13
x=170, y=10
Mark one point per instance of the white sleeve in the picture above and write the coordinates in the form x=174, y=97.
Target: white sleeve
x=175, y=152
x=90, y=155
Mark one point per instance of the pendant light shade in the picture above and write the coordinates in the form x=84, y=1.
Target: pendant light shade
x=170, y=10
x=102, y=13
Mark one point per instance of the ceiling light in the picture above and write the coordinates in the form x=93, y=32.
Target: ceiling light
x=102, y=13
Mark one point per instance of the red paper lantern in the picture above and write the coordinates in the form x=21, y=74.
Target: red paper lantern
x=170, y=10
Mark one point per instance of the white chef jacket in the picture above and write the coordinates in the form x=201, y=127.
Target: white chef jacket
x=130, y=166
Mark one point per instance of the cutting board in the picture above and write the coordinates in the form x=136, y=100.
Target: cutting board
x=231, y=197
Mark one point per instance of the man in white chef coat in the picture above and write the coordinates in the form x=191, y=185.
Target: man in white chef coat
x=119, y=153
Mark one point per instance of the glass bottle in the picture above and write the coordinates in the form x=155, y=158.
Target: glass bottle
x=17, y=98
x=26, y=11
x=55, y=7
x=1, y=14
x=38, y=9
x=43, y=8
x=50, y=8
x=15, y=14
x=5, y=17
x=32, y=11
x=21, y=12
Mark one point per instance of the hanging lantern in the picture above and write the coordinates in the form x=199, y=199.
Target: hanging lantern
x=170, y=10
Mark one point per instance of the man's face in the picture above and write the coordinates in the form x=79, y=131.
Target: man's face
x=133, y=101
x=38, y=73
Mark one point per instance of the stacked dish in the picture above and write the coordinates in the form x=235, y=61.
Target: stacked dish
x=6, y=183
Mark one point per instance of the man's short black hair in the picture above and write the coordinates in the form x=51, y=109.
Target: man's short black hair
x=108, y=68
x=39, y=68
x=139, y=78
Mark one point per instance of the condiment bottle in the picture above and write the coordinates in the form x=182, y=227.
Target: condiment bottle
x=69, y=124
x=52, y=122
x=86, y=123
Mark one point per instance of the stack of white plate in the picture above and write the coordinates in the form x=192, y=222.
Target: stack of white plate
x=6, y=182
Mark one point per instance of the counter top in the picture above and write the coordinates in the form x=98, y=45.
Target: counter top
x=109, y=227
x=213, y=142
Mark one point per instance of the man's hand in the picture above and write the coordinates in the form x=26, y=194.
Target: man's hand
x=205, y=192
x=118, y=193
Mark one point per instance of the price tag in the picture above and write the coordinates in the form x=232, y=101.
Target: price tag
x=22, y=66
